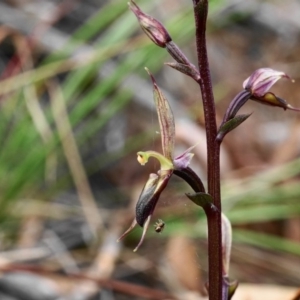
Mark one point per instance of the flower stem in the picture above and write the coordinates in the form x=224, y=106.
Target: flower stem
x=213, y=154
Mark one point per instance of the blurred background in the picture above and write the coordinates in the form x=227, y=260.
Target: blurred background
x=76, y=106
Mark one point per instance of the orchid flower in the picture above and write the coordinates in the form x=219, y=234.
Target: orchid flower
x=256, y=87
x=168, y=164
x=259, y=84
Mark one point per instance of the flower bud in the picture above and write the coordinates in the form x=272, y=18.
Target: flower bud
x=153, y=28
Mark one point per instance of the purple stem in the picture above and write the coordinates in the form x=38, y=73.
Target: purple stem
x=213, y=154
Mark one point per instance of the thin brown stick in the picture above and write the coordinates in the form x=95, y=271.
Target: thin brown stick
x=24, y=52
x=115, y=285
x=60, y=114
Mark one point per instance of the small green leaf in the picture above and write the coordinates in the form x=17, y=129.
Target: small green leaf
x=230, y=125
x=232, y=286
x=204, y=200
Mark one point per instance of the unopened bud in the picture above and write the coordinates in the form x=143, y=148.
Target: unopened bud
x=153, y=28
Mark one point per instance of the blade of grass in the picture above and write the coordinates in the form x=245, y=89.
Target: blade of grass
x=266, y=241
x=263, y=213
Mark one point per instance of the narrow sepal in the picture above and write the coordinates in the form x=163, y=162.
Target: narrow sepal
x=230, y=125
x=204, y=200
x=145, y=228
x=185, y=69
x=290, y=107
x=166, y=120
x=191, y=178
x=150, y=195
x=133, y=224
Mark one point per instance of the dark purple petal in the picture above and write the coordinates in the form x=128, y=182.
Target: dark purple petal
x=147, y=202
x=191, y=178
x=150, y=195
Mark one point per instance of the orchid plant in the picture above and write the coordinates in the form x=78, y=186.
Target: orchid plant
x=168, y=164
x=256, y=88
